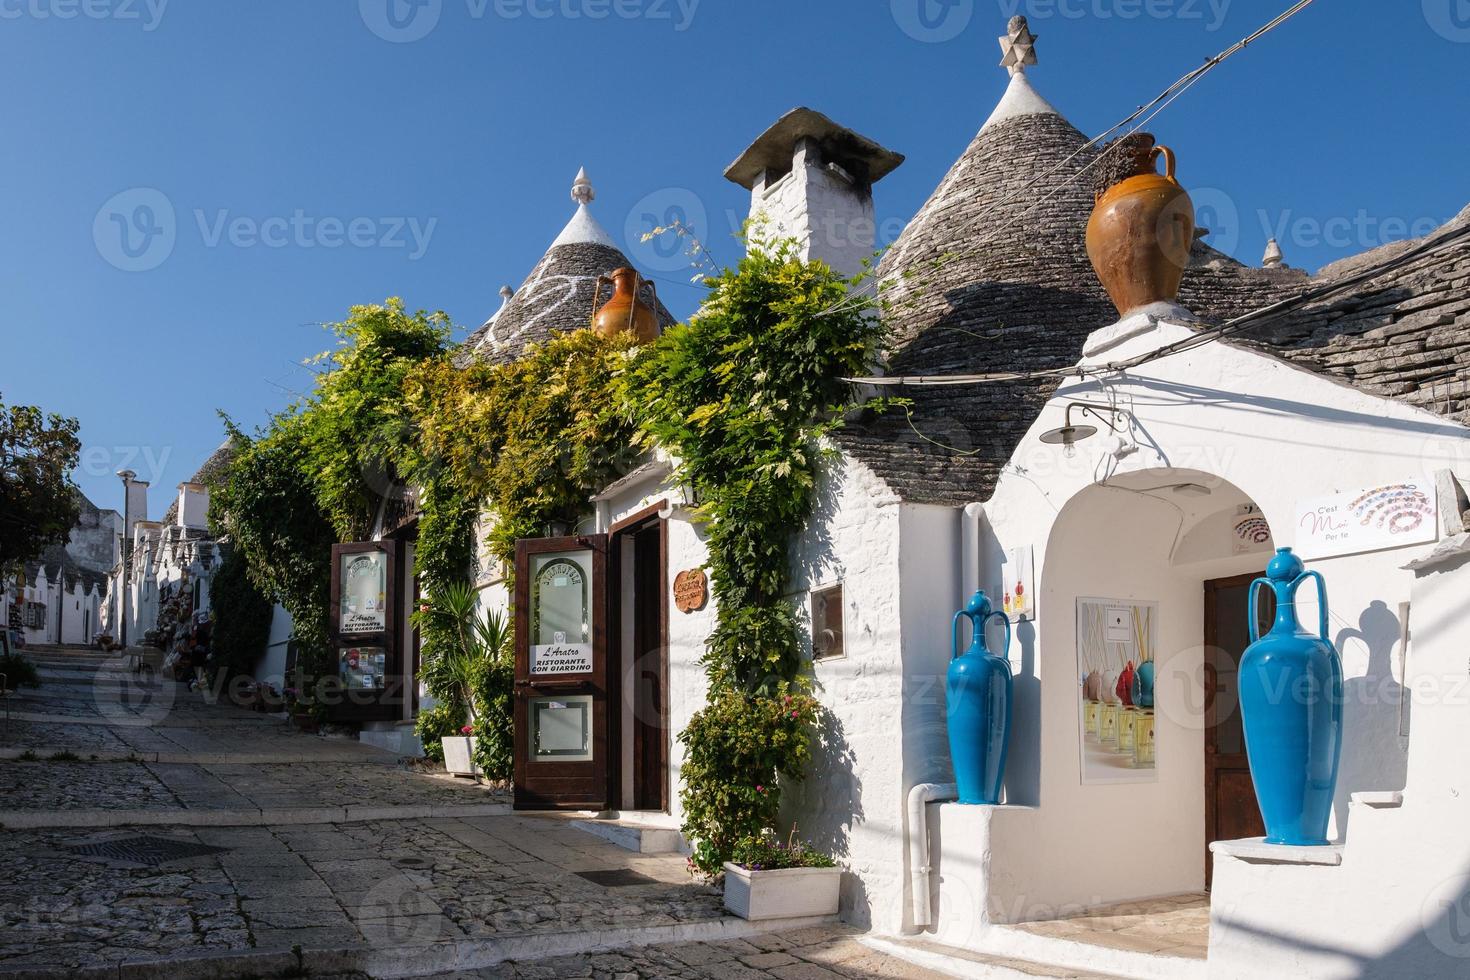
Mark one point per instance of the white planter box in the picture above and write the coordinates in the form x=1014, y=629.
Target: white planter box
x=785, y=894
x=459, y=754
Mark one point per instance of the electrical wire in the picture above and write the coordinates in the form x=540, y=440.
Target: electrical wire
x=1141, y=116
x=1427, y=247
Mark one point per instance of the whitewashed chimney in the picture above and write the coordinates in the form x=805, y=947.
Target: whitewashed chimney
x=193, y=508
x=137, y=503
x=812, y=180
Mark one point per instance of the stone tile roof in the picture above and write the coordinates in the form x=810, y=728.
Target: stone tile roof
x=555, y=298
x=1404, y=336
x=992, y=275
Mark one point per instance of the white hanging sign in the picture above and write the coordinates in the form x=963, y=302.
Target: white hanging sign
x=561, y=657
x=1394, y=515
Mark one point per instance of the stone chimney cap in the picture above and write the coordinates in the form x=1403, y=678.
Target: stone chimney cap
x=1273, y=257
x=866, y=160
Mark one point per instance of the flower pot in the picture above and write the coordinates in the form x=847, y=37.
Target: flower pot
x=978, y=698
x=788, y=893
x=459, y=756
x=1291, y=708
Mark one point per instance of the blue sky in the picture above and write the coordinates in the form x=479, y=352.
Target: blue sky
x=314, y=154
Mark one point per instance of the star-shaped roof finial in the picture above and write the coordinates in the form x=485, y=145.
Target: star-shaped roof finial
x=1019, y=46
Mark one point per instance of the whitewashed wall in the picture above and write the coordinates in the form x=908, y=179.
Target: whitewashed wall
x=1277, y=433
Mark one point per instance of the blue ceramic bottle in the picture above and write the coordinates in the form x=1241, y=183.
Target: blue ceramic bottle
x=1291, y=706
x=978, y=693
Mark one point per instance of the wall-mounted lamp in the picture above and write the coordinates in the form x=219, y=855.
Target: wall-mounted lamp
x=1071, y=433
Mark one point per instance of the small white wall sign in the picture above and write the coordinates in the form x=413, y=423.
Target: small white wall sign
x=561, y=658
x=1394, y=515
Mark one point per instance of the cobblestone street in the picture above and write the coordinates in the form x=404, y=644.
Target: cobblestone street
x=146, y=826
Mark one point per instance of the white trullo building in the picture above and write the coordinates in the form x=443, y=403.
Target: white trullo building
x=1126, y=497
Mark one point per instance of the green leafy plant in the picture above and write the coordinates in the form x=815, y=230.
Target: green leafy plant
x=738, y=747
x=469, y=669
x=767, y=852
x=436, y=724
x=19, y=672
x=744, y=395
x=242, y=618
x=38, y=500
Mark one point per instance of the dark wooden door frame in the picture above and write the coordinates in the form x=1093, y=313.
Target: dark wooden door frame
x=1212, y=589
x=572, y=785
x=650, y=790
x=386, y=704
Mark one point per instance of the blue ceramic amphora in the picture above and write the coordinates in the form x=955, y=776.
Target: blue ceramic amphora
x=978, y=694
x=1291, y=707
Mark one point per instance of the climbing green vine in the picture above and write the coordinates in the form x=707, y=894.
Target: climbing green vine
x=742, y=396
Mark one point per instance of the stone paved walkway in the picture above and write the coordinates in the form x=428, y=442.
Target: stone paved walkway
x=390, y=883
x=818, y=953
x=45, y=785
x=308, y=892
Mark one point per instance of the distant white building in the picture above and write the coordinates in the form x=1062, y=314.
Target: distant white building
x=63, y=596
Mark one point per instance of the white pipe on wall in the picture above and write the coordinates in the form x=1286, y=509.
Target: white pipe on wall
x=972, y=552
x=920, y=797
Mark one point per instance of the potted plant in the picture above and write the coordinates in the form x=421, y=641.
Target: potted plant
x=461, y=650
x=768, y=879
x=459, y=753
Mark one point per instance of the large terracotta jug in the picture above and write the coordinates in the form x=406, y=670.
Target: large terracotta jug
x=1142, y=228
x=626, y=311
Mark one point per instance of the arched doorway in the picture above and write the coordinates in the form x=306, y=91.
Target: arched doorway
x=1147, y=568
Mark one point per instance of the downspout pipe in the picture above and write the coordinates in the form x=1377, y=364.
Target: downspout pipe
x=972, y=552
x=920, y=797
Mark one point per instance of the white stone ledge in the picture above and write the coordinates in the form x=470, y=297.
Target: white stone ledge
x=1256, y=849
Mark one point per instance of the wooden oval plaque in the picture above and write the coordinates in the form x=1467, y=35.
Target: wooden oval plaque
x=691, y=590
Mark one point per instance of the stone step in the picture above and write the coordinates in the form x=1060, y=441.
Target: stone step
x=1074, y=958
x=953, y=962
x=650, y=834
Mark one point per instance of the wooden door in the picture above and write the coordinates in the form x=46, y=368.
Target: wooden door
x=1231, y=812
x=650, y=621
x=562, y=744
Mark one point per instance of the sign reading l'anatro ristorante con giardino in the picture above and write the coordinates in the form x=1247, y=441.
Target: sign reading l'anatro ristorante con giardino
x=364, y=606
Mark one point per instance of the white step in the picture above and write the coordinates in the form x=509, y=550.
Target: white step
x=641, y=835
x=952, y=962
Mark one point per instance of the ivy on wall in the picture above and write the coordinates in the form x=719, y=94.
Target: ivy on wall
x=323, y=471
x=743, y=395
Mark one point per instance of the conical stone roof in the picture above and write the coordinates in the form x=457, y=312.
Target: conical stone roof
x=557, y=296
x=992, y=274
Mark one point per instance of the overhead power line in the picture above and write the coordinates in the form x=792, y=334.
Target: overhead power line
x=1427, y=248
x=1138, y=118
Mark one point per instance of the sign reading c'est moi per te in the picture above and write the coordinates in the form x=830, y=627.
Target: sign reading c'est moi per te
x=1390, y=516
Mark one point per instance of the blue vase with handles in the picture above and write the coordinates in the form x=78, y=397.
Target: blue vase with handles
x=978, y=693
x=1291, y=707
